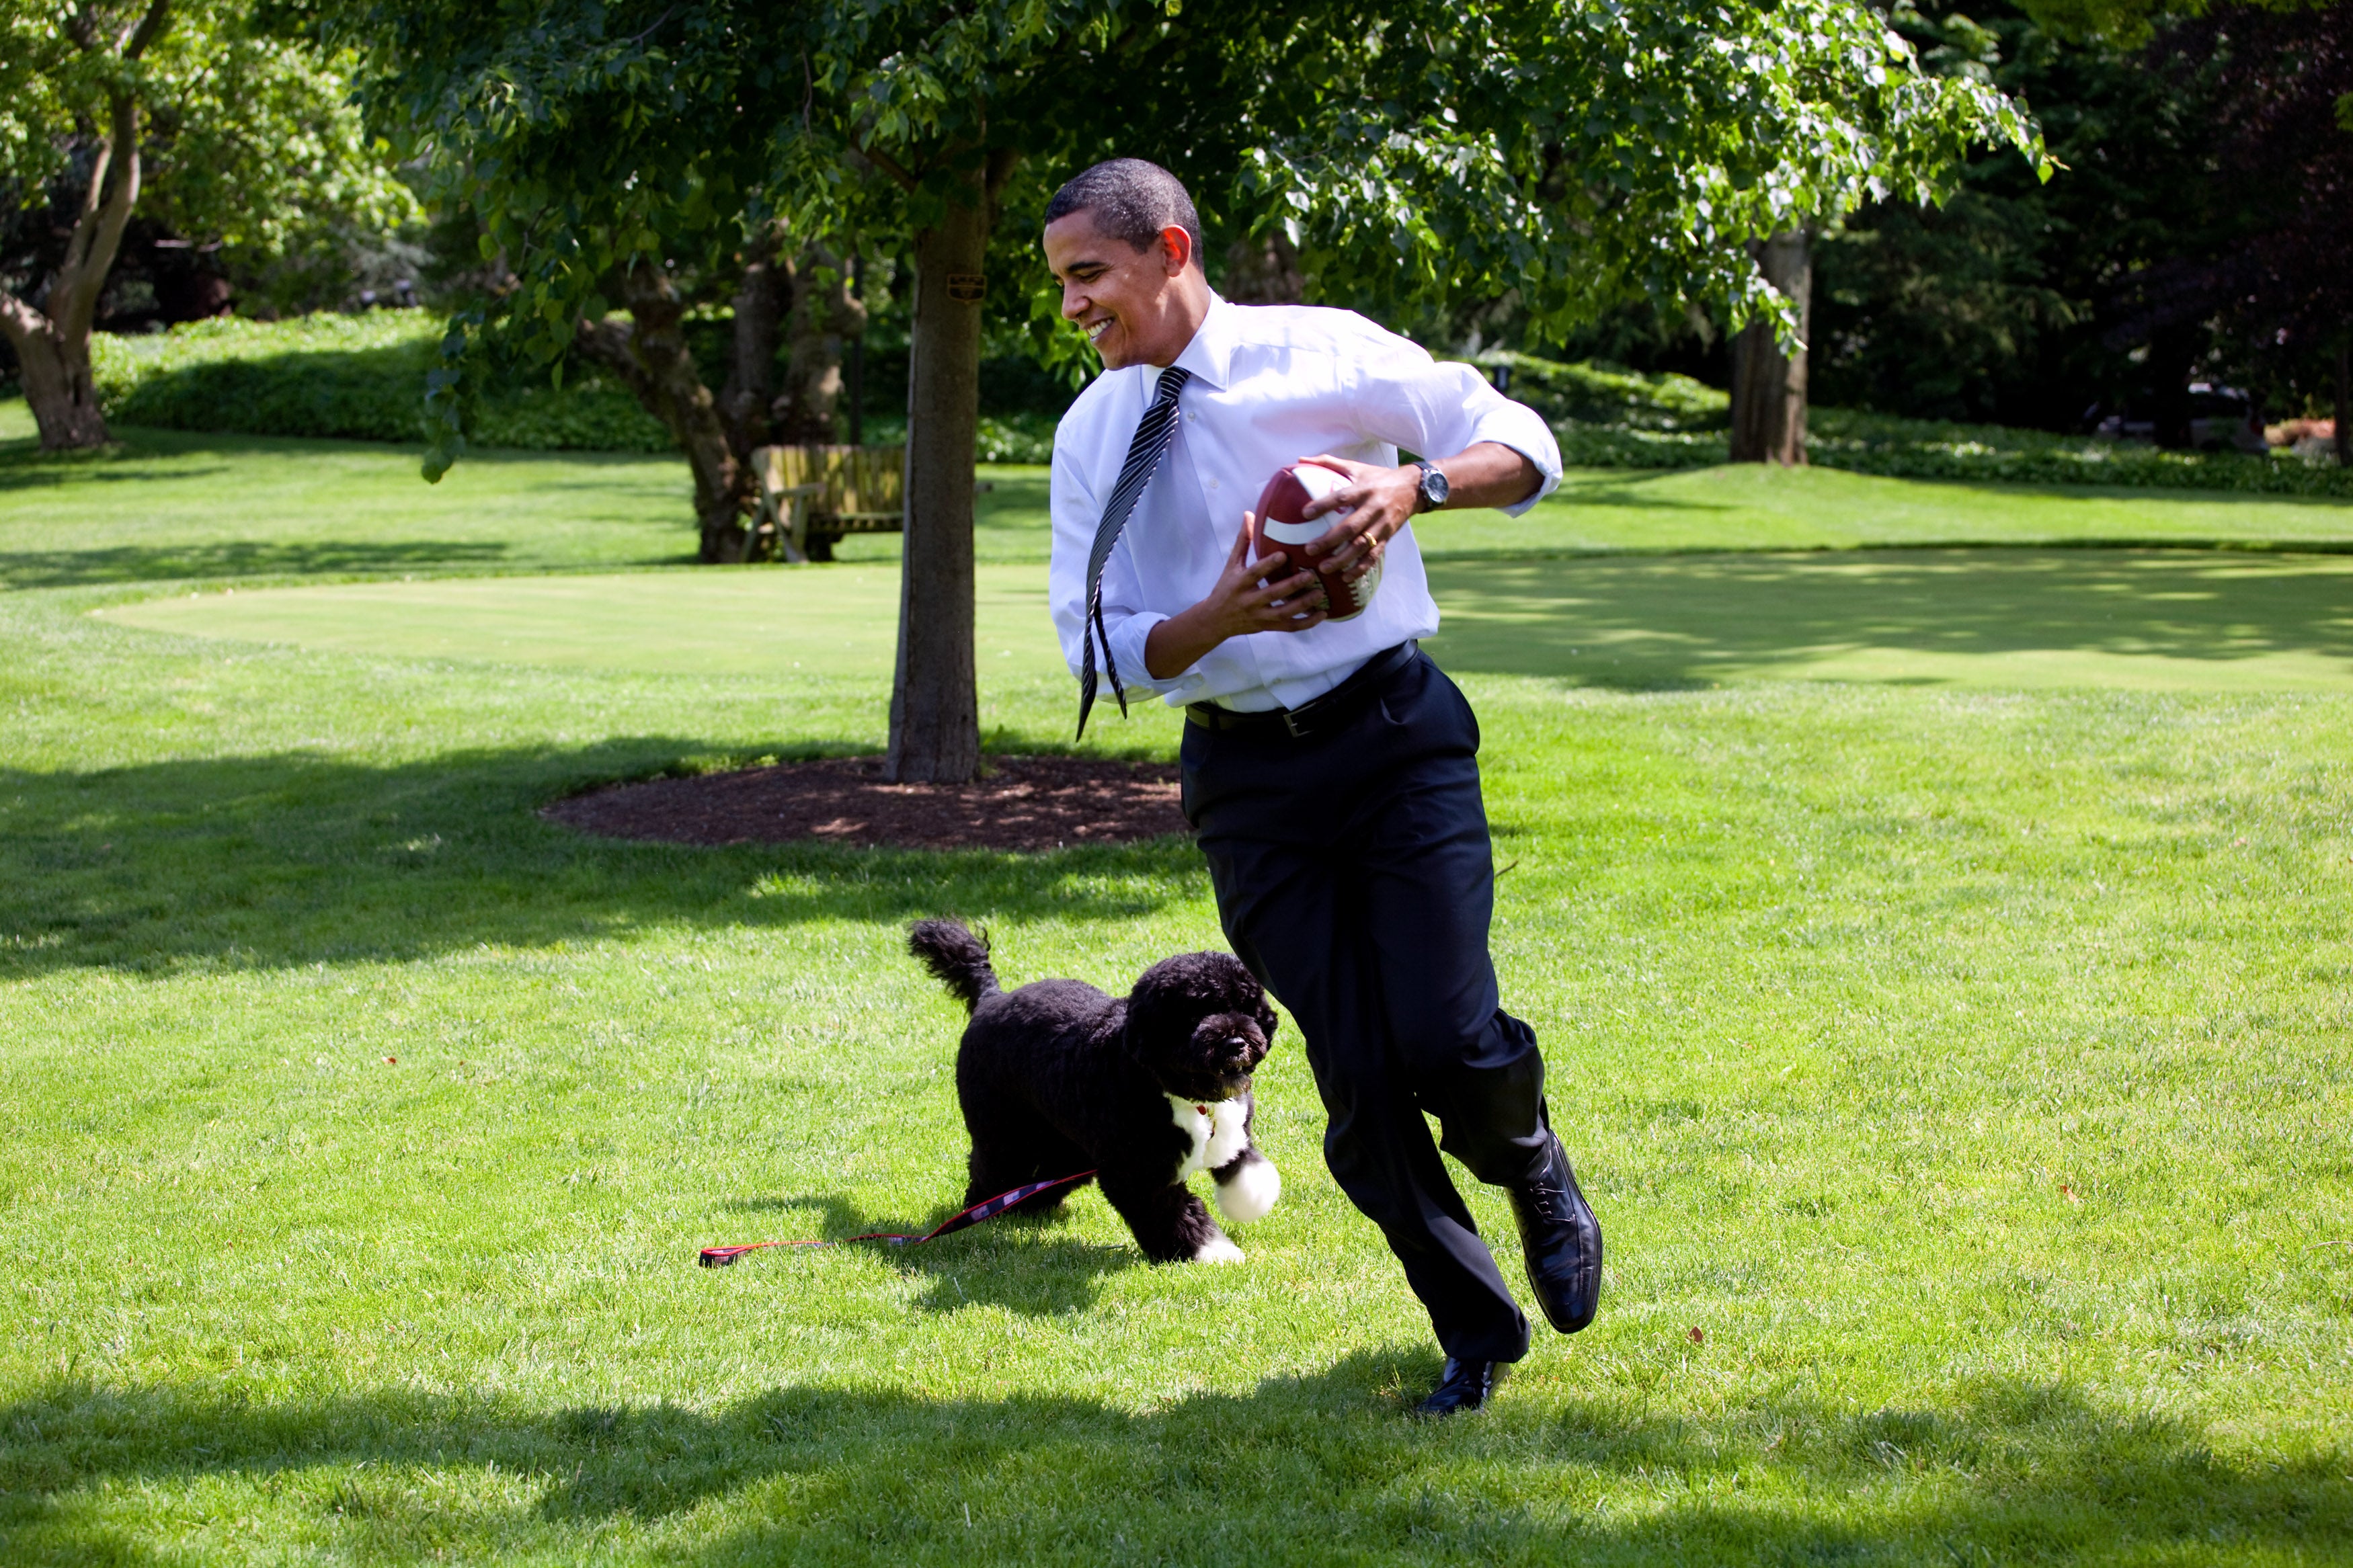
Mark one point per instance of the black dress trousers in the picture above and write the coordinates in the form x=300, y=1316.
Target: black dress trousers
x=1355, y=877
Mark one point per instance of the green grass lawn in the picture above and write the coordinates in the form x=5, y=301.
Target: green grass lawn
x=1958, y=1049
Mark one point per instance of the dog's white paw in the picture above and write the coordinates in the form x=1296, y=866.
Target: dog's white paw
x=1217, y=1249
x=1253, y=1191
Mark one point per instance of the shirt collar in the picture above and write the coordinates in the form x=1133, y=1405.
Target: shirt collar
x=1210, y=356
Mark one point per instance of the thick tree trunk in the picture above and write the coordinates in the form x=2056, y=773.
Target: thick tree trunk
x=1769, y=387
x=651, y=357
x=57, y=383
x=752, y=369
x=826, y=317
x=1264, y=271
x=934, y=703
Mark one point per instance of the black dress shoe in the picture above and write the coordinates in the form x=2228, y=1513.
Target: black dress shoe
x=1561, y=1242
x=1464, y=1385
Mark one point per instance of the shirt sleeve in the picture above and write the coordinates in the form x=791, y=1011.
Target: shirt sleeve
x=1432, y=410
x=1076, y=514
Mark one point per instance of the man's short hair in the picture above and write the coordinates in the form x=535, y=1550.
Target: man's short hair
x=1131, y=201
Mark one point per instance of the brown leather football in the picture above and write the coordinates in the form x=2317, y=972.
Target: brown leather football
x=1280, y=524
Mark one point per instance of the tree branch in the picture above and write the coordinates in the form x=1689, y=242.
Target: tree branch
x=608, y=343
x=146, y=30
x=19, y=322
x=888, y=164
x=656, y=28
x=98, y=235
x=85, y=229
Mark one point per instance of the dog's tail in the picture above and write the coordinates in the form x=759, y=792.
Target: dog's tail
x=959, y=958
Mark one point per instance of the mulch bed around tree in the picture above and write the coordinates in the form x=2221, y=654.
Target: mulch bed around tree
x=1025, y=802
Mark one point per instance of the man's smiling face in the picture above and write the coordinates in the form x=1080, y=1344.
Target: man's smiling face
x=1137, y=307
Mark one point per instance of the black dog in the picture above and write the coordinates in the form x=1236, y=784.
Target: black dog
x=1058, y=1077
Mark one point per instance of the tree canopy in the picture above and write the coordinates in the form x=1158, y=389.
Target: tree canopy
x=201, y=123
x=1573, y=153
x=249, y=141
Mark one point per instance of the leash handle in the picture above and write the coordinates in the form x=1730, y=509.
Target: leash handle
x=987, y=1208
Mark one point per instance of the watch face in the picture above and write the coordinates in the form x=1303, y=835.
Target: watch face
x=1434, y=488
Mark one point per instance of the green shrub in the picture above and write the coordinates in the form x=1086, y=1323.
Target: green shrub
x=1591, y=394
x=1930, y=449
x=356, y=377
x=361, y=376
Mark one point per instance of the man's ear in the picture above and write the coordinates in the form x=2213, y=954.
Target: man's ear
x=1175, y=250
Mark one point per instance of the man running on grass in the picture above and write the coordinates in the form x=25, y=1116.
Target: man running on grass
x=1330, y=769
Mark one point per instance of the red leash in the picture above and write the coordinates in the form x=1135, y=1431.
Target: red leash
x=720, y=1256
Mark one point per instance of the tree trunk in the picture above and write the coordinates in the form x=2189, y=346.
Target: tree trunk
x=1264, y=271
x=825, y=316
x=651, y=357
x=1769, y=387
x=57, y=383
x=934, y=702
x=752, y=368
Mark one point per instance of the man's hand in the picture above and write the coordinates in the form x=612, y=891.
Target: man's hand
x=1379, y=500
x=1244, y=601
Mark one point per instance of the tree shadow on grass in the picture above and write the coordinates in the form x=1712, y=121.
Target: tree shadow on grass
x=24, y=465
x=1017, y=1261
x=245, y=558
x=294, y=857
x=1315, y=1467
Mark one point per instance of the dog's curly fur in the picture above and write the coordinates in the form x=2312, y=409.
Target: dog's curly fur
x=1058, y=1077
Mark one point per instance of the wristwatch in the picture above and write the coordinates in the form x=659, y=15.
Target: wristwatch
x=1434, y=488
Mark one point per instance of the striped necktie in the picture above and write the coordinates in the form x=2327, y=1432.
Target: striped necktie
x=1155, y=433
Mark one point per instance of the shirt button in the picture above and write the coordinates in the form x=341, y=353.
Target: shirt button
x=1213, y=484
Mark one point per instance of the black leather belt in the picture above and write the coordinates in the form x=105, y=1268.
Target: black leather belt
x=1316, y=715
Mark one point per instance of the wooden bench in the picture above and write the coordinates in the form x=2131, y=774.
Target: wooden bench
x=811, y=496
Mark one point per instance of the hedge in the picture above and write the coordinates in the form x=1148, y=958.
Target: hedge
x=362, y=378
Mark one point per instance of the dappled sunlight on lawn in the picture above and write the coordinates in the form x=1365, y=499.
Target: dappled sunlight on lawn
x=2151, y=619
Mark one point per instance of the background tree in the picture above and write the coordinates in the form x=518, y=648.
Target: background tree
x=72, y=73
x=182, y=125
x=2284, y=81
x=2197, y=230
x=1995, y=305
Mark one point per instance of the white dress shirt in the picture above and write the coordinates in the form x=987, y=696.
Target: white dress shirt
x=1272, y=383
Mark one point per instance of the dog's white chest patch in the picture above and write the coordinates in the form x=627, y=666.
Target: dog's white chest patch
x=1215, y=1129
